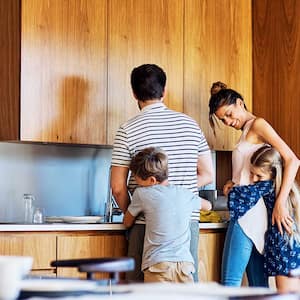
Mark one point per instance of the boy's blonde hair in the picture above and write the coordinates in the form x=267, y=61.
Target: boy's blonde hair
x=152, y=161
x=269, y=159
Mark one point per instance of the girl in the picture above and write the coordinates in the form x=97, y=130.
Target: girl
x=282, y=251
x=243, y=234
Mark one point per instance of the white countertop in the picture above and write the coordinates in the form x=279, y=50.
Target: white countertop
x=85, y=227
x=213, y=225
x=62, y=227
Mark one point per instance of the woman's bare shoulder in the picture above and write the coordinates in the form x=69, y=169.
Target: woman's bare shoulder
x=260, y=130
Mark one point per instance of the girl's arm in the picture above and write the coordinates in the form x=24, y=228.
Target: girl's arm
x=291, y=164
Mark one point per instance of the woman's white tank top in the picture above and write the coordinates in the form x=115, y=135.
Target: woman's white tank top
x=254, y=222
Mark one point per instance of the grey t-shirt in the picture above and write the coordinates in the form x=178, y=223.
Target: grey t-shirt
x=167, y=211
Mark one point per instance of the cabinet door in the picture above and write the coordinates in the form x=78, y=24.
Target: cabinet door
x=64, y=71
x=42, y=247
x=210, y=251
x=89, y=246
x=142, y=32
x=10, y=69
x=217, y=47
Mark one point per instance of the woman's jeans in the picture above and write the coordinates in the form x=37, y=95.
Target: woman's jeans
x=240, y=254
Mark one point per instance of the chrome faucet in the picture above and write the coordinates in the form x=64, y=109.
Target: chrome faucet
x=111, y=208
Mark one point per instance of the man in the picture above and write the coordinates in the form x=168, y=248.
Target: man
x=190, y=163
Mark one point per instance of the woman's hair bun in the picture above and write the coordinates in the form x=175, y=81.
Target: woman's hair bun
x=217, y=86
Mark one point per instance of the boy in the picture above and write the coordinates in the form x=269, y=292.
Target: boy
x=167, y=209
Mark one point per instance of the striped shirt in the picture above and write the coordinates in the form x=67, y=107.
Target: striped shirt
x=174, y=132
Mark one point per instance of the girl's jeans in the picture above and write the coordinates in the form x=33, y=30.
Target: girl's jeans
x=240, y=254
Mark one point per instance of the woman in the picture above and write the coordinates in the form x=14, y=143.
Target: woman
x=245, y=237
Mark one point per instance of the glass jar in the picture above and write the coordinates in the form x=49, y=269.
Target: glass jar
x=28, y=201
x=38, y=217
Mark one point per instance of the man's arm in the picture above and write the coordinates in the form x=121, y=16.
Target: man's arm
x=205, y=170
x=118, y=183
x=128, y=220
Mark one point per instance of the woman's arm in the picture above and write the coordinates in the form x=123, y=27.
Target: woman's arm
x=291, y=164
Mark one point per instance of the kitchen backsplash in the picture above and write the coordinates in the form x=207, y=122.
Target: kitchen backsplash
x=65, y=179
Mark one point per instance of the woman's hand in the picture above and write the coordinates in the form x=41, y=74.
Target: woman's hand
x=281, y=217
x=227, y=187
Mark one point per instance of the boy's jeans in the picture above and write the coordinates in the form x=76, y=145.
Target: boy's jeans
x=240, y=253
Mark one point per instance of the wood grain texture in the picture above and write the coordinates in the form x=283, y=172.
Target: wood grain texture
x=217, y=47
x=64, y=71
x=142, y=32
x=276, y=65
x=223, y=168
x=89, y=246
x=9, y=69
x=210, y=255
x=42, y=247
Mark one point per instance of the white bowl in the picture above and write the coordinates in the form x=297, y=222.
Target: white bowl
x=25, y=262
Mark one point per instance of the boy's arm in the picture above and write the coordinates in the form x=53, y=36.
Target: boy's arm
x=128, y=220
x=133, y=210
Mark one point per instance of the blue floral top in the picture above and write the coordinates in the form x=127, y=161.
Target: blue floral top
x=281, y=252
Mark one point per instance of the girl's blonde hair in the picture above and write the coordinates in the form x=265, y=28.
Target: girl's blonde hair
x=269, y=159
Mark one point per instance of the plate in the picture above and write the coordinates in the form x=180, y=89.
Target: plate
x=74, y=219
x=57, y=285
x=81, y=219
x=53, y=220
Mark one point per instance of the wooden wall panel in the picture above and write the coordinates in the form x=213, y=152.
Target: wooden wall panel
x=142, y=32
x=9, y=69
x=64, y=71
x=276, y=65
x=217, y=46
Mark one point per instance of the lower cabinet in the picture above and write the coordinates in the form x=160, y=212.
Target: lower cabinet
x=45, y=247
x=88, y=246
x=210, y=251
x=41, y=246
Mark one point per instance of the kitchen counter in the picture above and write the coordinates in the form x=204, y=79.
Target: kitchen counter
x=213, y=225
x=62, y=227
x=84, y=227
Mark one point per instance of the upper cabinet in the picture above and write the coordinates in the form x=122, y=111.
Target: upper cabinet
x=217, y=41
x=77, y=56
x=9, y=69
x=64, y=71
x=139, y=32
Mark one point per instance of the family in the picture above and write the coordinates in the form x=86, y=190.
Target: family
x=161, y=158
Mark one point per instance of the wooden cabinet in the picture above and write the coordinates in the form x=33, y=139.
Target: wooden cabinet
x=210, y=251
x=64, y=71
x=9, y=69
x=218, y=47
x=77, y=56
x=139, y=32
x=88, y=246
x=41, y=246
x=45, y=247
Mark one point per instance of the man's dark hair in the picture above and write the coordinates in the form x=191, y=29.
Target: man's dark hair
x=148, y=82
